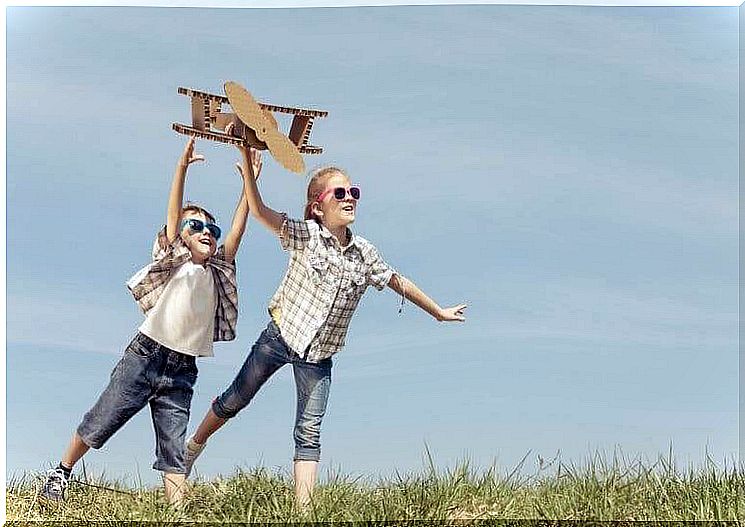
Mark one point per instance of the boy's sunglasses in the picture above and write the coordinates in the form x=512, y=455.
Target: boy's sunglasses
x=196, y=225
x=340, y=193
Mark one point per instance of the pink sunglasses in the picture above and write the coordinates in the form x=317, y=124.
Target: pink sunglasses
x=340, y=193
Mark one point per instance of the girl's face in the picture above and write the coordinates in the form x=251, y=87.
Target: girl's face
x=202, y=244
x=336, y=213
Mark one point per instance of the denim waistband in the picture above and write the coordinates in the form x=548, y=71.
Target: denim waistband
x=158, y=347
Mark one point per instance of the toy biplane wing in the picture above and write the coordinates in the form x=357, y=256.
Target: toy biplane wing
x=252, y=124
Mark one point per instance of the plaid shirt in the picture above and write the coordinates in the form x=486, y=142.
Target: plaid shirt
x=322, y=287
x=148, y=283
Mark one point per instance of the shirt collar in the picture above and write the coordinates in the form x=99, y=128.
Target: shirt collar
x=350, y=235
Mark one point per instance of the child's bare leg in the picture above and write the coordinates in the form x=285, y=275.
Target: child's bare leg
x=305, y=480
x=195, y=444
x=75, y=450
x=209, y=425
x=174, y=486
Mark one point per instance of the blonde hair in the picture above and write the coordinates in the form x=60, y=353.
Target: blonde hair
x=316, y=185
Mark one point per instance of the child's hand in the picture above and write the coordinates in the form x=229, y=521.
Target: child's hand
x=188, y=156
x=254, y=161
x=451, y=314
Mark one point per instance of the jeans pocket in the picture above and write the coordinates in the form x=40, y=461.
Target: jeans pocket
x=272, y=330
x=269, y=334
x=142, y=346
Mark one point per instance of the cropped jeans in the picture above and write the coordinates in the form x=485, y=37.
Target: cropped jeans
x=148, y=373
x=312, y=383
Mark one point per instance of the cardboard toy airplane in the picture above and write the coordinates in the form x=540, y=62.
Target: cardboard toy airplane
x=251, y=124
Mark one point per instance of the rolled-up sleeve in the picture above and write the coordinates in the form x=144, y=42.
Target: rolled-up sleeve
x=296, y=234
x=379, y=272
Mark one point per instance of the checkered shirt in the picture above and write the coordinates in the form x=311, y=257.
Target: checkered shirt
x=322, y=287
x=148, y=283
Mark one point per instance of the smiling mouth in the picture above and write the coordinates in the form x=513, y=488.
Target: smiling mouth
x=205, y=241
x=348, y=208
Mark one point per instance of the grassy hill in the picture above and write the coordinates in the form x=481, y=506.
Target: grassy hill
x=600, y=489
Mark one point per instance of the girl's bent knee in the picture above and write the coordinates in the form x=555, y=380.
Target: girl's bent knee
x=223, y=411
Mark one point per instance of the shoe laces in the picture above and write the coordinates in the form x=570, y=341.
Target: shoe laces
x=56, y=479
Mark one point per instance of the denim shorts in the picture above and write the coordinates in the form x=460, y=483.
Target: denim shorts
x=147, y=373
x=312, y=384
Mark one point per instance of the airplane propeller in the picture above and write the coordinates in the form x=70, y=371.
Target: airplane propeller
x=265, y=126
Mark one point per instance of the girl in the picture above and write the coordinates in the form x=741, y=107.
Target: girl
x=328, y=271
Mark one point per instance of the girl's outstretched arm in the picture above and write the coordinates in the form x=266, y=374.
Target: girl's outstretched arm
x=270, y=218
x=240, y=218
x=408, y=289
x=176, y=197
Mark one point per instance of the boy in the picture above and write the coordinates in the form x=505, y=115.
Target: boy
x=189, y=296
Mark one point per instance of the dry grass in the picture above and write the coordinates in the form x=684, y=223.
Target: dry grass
x=603, y=488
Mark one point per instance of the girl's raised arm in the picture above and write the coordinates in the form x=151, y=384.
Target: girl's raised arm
x=270, y=218
x=411, y=292
x=176, y=197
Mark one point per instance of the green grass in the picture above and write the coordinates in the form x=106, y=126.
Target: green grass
x=602, y=488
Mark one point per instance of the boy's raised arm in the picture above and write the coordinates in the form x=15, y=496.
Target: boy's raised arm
x=176, y=197
x=240, y=218
x=270, y=218
x=408, y=289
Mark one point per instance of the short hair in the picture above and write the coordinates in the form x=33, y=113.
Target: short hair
x=193, y=207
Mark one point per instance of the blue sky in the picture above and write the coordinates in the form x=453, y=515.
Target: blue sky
x=569, y=172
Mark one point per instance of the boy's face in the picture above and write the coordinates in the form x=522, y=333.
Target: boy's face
x=201, y=244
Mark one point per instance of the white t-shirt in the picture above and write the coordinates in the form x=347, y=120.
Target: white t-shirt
x=183, y=318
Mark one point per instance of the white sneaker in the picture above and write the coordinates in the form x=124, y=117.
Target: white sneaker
x=192, y=449
x=54, y=485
